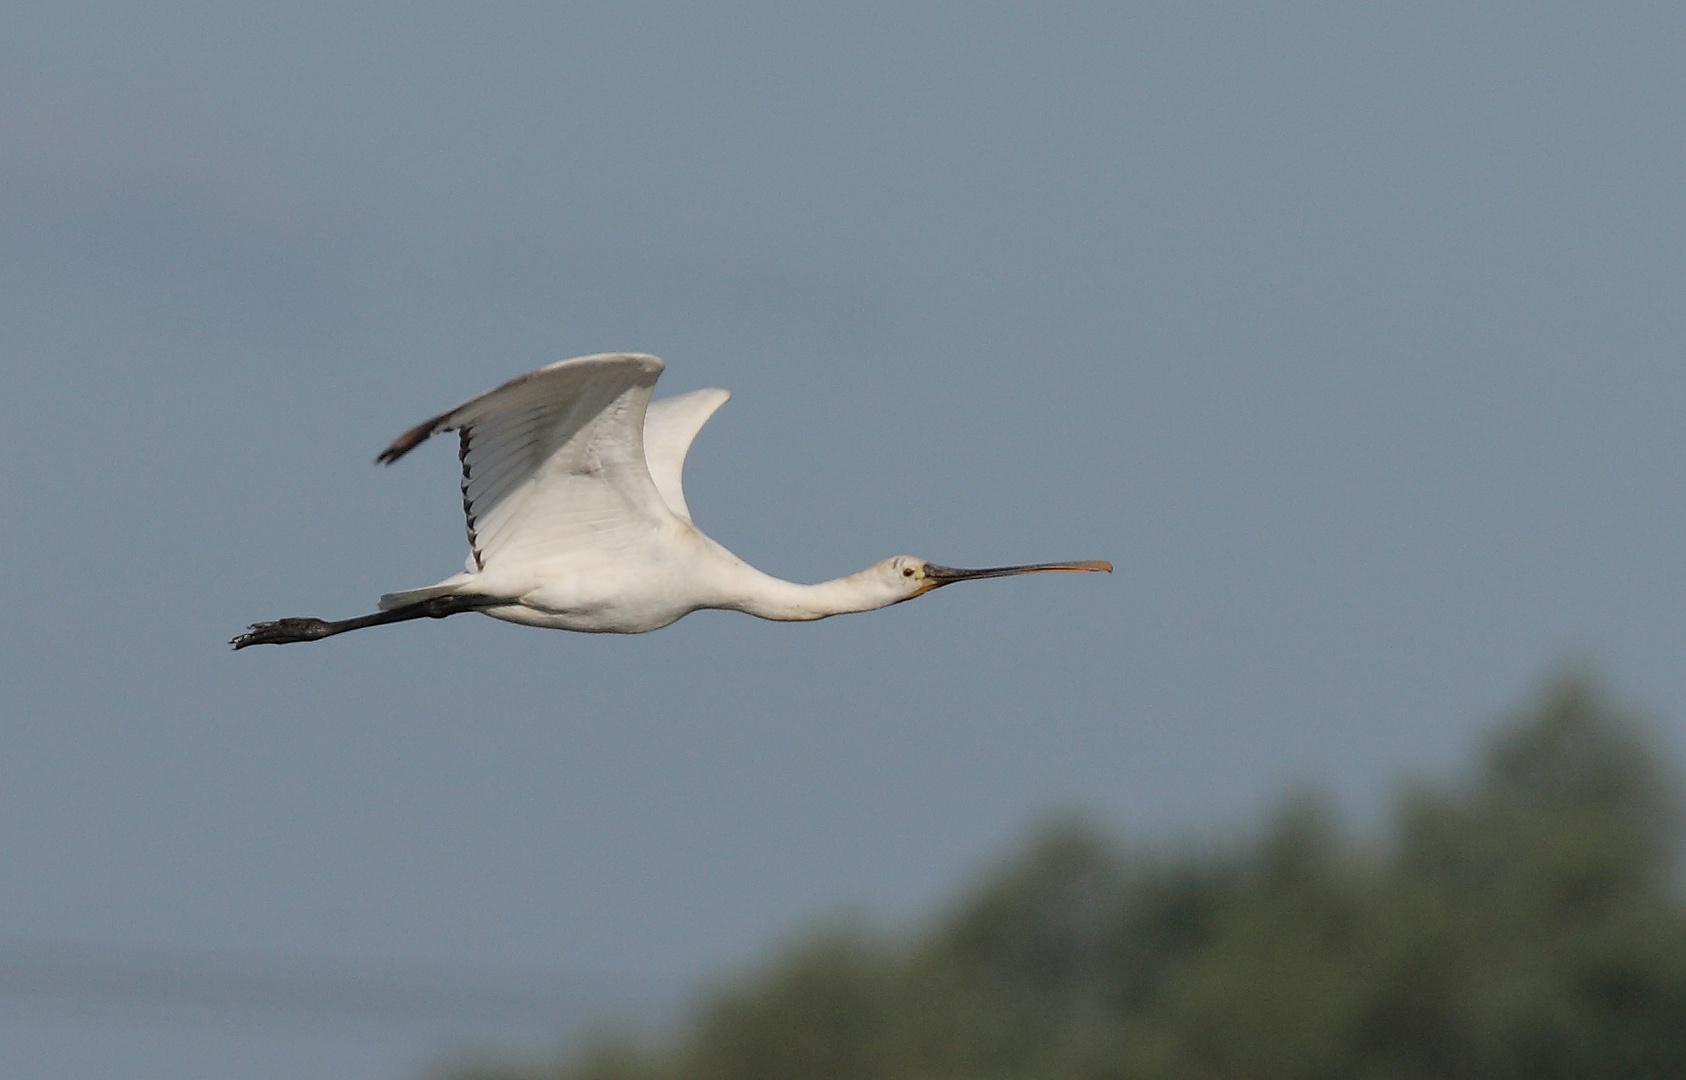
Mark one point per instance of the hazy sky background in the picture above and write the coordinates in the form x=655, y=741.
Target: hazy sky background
x=1353, y=338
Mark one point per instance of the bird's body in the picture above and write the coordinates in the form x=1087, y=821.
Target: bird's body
x=571, y=483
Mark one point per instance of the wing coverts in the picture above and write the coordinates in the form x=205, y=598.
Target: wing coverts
x=554, y=460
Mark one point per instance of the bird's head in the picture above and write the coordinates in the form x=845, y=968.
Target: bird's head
x=908, y=576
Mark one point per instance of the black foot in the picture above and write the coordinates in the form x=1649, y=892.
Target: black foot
x=283, y=631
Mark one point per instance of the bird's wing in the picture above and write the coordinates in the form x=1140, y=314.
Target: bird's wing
x=669, y=427
x=553, y=461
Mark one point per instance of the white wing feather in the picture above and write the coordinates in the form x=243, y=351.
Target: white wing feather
x=553, y=461
x=670, y=426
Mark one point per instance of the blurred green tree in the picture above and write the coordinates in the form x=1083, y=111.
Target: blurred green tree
x=1526, y=923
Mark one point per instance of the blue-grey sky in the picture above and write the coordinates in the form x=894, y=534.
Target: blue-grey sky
x=1352, y=337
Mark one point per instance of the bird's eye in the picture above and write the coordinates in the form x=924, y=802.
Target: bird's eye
x=907, y=571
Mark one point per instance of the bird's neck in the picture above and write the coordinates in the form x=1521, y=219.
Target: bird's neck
x=769, y=597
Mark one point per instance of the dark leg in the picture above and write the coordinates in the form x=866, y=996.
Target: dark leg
x=284, y=631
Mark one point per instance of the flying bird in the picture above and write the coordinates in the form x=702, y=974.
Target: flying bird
x=577, y=520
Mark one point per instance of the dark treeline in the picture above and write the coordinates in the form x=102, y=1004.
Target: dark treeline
x=1524, y=923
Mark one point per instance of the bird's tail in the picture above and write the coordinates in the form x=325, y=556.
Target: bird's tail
x=413, y=596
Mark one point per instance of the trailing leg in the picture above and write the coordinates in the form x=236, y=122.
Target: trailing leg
x=286, y=631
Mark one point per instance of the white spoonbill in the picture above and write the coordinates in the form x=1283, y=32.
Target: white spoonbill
x=577, y=521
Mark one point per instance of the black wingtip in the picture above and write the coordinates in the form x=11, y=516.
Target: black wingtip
x=404, y=444
x=401, y=446
x=411, y=439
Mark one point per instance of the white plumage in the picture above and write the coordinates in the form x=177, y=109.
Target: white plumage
x=572, y=485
